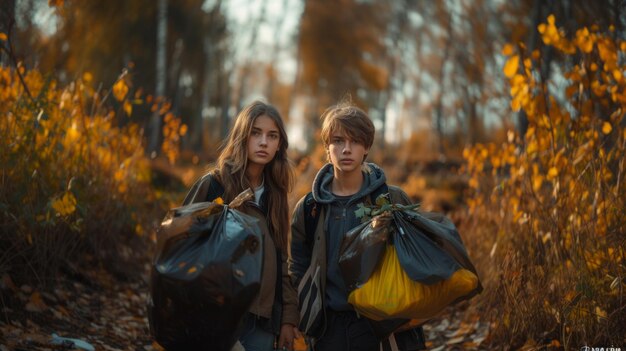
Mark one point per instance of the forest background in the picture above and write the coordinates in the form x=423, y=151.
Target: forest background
x=508, y=116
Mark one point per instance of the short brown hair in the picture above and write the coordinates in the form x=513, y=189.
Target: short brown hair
x=349, y=119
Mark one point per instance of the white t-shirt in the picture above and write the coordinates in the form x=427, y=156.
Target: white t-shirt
x=258, y=192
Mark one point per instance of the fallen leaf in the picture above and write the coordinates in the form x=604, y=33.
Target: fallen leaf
x=7, y=282
x=36, y=303
x=49, y=297
x=457, y=340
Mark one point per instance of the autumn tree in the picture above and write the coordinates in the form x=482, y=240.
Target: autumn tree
x=341, y=52
x=105, y=37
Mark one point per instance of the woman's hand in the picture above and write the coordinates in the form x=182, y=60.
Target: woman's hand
x=287, y=334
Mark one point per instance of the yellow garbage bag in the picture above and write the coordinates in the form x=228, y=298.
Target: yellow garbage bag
x=390, y=293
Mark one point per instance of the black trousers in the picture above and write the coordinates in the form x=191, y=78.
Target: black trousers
x=346, y=331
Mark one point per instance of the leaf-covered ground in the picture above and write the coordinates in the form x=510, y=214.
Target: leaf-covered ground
x=110, y=314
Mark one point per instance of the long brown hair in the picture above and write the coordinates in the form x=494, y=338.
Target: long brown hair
x=232, y=163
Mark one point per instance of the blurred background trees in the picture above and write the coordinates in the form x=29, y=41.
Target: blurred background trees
x=414, y=65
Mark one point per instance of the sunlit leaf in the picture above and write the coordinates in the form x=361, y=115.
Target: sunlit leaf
x=537, y=182
x=128, y=108
x=120, y=89
x=65, y=205
x=382, y=200
x=122, y=188
x=606, y=128
x=617, y=74
x=600, y=313
x=553, y=173
x=36, y=303
x=510, y=68
x=507, y=50
x=3, y=37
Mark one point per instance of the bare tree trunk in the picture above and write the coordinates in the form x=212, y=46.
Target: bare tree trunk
x=522, y=119
x=175, y=77
x=441, y=79
x=269, y=87
x=383, y=101
x=161, y=74
x=245, y=73
x=197, y=134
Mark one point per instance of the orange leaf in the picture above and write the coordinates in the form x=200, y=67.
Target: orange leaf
x=3, y=36
x=120, y=89
x=128, y=108
x=606, y=128
x=507, y=50
x=36, y=304
x=510, y=68
x=552, y=173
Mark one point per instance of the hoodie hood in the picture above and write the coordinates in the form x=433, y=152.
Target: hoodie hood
x=372, y=180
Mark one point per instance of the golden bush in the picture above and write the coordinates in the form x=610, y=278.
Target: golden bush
x=550, y=205
x=74, y=175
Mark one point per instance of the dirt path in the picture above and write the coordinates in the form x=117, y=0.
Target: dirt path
x=110, y=315
x=98, y=309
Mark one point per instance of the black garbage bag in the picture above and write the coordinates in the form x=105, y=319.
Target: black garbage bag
x=362, y=248
x=205, y=275
x=429, y=247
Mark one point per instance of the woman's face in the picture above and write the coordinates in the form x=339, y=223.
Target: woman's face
x=264, y=141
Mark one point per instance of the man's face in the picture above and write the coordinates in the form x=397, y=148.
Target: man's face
x=346, y=154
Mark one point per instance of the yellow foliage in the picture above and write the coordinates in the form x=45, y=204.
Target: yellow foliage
x=65, y=205
x=510, y=68
x=120, y=89
x=70, y=135
x=173, y=129
x=559, y=191
x=507, y=50
x=128, y=108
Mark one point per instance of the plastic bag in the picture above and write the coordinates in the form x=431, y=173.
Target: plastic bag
x=426, y=269
x=205, y=275
x=429, y=247
x=362, y=248
x=391, y=293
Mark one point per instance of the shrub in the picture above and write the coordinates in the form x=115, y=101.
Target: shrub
x=74, y=176
x=549, y=205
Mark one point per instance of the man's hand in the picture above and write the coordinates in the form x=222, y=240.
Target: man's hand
x=287, y=333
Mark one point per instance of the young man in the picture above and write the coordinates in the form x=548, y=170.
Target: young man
x=319, y=223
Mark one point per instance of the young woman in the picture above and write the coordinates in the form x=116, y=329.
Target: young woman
x=255, y=156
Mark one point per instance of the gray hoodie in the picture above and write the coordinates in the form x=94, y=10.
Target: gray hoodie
x=340, y=219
